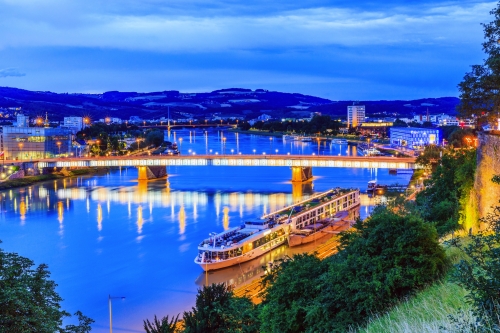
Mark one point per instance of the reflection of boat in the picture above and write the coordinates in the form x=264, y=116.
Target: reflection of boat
x=339, y=141
x=290, y=137
x=372, y=185
x=259, y=236
x=306, y=139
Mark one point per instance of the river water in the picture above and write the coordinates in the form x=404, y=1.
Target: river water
x=112, y=235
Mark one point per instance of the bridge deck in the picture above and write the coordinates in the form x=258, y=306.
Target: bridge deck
x=235, y=160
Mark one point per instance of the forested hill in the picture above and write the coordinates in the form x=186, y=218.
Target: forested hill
x=233, y=101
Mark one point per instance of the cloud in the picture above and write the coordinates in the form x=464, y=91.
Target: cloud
x=10, y=72
x=195, y=27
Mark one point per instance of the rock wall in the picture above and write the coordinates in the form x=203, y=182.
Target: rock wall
x=488, y=165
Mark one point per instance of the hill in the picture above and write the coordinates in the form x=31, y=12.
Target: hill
x=232, y=101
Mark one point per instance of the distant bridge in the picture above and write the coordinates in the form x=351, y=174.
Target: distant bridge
x=301, y=165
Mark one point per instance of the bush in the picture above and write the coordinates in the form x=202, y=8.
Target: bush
x=480, y=274
x=217, y=310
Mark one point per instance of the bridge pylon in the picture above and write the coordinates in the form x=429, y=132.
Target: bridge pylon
x=301, y=174
x=151, y=172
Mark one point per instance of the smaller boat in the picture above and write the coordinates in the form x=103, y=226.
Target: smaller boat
x=290, y=137
x=372, y=152
x=339, y=141
x=372, y=185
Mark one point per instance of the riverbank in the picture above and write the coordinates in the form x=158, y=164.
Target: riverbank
x=30, y=180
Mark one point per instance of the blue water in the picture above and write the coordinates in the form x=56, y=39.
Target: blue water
x=111, y=235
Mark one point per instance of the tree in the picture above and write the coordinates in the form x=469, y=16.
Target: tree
x=163, y=326
x=217, y=310
x=155, y=138
x=430, y=156
x=479, y=90
x=447, y=191
x=385, y=258
x=292, y=286
x=28, y=300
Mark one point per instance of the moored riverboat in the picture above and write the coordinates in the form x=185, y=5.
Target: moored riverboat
x=259, y=236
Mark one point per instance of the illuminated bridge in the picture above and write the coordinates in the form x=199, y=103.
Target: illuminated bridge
x=301, y=165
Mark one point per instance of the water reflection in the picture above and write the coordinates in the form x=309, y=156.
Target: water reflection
x=160, y=247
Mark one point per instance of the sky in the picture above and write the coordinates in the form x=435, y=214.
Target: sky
x=340, y=50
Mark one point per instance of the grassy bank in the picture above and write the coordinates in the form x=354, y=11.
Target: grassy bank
x=27, y=181
x=426, y=312
x=430, y=309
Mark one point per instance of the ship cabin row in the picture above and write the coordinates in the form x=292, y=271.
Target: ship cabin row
x=237, y=241
x=321, y=208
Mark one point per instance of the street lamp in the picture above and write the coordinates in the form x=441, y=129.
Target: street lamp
x=59, y=146
x=111, y=311
x=276, y=151
x=232, y=151
x=254, y=151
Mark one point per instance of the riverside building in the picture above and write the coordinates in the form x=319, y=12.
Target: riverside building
x=355, y=115
x=27, y=143
x=414, y=137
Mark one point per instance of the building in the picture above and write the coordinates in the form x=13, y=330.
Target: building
x=355, y=115
x=414, y=137
x=75, y=123
x=27, y=143
x=22, y=120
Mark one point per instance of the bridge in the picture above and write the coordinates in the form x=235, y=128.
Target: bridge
x=301, y=165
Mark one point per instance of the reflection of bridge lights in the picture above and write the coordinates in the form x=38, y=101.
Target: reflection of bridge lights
x=99, y=217
x=140, y=220
x=60, y=211
x=22, y=210
x=225, y=218
x=182, y=221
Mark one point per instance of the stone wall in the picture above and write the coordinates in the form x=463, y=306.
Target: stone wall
x=488, y=164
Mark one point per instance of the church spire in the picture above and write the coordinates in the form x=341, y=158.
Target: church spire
x=46, y=122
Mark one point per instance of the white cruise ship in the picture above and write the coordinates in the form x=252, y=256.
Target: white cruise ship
x=259, y=236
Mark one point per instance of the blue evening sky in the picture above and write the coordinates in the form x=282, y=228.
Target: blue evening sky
x=364, y=50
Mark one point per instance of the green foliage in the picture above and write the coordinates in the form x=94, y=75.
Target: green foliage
x=163, y=326
x=217, y=310
x=318, y=124
x=430, y=156
x=457, y=138
x=447, y=191
x=155, y=138
x=292, y=286
x=480, y=274
x=28, y=300
x=387, y=258
x=479, y=88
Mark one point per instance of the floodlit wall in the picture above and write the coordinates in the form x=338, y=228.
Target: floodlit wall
x=488, y=165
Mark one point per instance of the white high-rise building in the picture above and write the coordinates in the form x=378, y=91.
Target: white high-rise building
x=22, y=120
x=355, y=115
x=74, y=123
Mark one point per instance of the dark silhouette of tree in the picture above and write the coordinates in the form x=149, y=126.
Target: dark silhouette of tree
x=161, y=326
x=28, y=300
x=480, y=88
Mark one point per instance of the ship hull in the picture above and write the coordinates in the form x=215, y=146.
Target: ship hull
x=255, y=253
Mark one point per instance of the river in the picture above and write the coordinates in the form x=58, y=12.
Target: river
x=112, y=235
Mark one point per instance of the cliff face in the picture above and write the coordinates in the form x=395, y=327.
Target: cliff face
x=488, y=165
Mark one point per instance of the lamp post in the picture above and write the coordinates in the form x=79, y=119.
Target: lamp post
x=59, y=146
x=224, y=146
x=111, y=311
x=180, y=144
x=254, y=151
